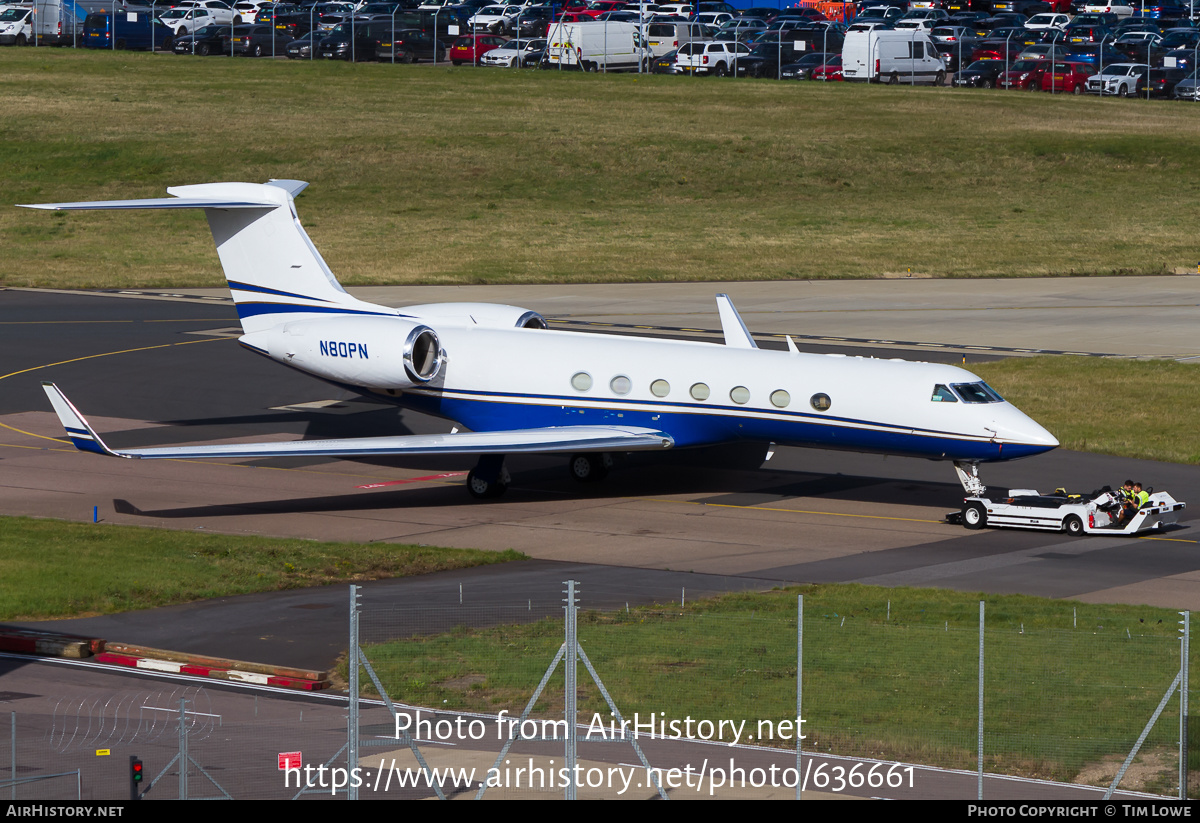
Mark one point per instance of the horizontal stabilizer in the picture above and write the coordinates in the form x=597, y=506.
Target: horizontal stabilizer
x=555, y=439
x=153, y=203
x=274, y=271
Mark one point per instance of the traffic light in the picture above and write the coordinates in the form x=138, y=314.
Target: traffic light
x=135, y=776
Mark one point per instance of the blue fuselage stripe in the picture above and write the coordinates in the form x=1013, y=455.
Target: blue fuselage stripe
x=712, y=427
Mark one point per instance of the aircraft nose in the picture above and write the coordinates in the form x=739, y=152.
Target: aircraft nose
x=1017, y=427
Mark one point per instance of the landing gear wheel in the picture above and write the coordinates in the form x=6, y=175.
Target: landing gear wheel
x=483, y=489
x=590, y=468
x=1073, y=526
x=974, y=516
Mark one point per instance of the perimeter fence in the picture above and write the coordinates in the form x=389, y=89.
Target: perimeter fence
x=701, y=698
x=1065, y=705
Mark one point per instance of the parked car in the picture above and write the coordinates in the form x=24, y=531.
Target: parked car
x=1120, y=79
x=257, y=40
x=803, y=68
x=1162, y=82
x=1025, y=75
x=354, y=40
x=302, y=47
x=982, y=74
x=411, y=45
x=470, y=48
x=766, y=60
x=516, y=53
x=709, y=57
x=1048, y=20
x=829, y=71
x=664, y=64
x=208, y=40
x=1067, y=78
x=1188, y=88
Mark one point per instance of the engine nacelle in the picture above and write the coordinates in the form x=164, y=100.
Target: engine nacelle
x=485, y=315
x=376, y=352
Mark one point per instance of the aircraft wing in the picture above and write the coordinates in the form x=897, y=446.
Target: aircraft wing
x=555, y=439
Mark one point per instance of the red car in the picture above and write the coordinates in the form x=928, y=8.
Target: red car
x=830, y=72
x=470, y=48
x=1025, y=75
x=1068, y=77
x=599, y=7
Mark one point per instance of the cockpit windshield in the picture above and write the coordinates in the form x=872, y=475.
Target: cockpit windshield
x=941, y=394
x=977, y=393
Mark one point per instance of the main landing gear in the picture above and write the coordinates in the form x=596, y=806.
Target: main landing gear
x=590, y=468
x=490, y=478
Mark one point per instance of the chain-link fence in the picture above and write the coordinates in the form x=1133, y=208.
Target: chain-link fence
x=1059, y=705
x=464, y=701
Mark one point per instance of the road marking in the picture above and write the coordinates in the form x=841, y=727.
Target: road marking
x=91, y=357
x=790, y=511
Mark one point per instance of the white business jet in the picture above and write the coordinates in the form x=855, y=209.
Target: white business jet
x=521, y=388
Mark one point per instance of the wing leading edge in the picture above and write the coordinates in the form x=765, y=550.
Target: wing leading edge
x=558, y=439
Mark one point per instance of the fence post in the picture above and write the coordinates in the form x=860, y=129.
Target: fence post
x=352, y=715
x=979, y=731
x=1185, y=643
x=799, y=686
x=183, y=750
x=572, y=657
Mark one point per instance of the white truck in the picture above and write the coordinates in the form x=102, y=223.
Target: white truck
x=889, y=56
x=603, y=45
x=1076, y=514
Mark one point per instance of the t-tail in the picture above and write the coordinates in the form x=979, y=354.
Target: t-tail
x=275, y=272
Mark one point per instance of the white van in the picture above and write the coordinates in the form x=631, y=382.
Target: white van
x=60, y=22
x=666, y=37
x=892, y=57
x=603, y=45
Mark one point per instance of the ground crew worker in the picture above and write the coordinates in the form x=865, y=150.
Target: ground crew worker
x=1129, y=506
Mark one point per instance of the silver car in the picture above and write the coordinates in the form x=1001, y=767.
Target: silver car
x=1120, y=79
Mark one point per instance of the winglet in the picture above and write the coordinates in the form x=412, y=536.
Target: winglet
x=78, y=429
x=292, y=187
x=736, y=333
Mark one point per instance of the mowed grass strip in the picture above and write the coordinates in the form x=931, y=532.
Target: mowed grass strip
x=53, y=569
x=1143, y=409
x=888, y=673
x=463, y=175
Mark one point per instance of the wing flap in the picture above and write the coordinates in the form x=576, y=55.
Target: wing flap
x=555, y=439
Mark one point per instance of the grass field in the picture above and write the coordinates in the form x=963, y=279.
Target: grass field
x=52, y=569
x=888, y=673
x=1144, y=409
x=461, y=175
